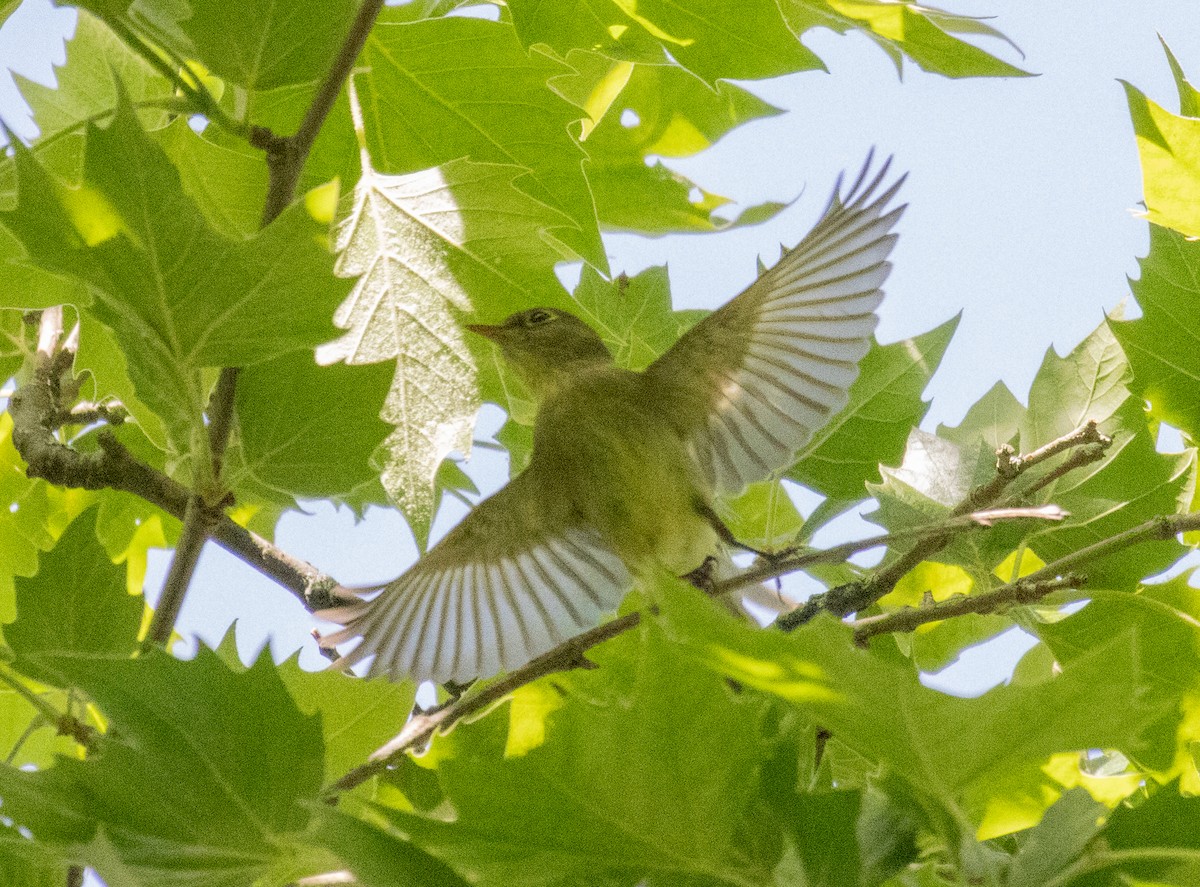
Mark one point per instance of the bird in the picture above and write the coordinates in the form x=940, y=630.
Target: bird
x=626, y=466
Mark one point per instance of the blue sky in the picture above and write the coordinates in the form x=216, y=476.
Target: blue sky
x=1022, y=197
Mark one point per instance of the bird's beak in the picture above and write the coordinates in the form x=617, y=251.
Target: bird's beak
x=485, y=330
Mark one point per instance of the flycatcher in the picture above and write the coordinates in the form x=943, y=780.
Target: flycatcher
x=626, y=465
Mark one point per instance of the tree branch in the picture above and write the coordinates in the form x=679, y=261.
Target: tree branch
x=1054, y=576
x=285, y=161
x=286, y=157
x=856, y=596
x=420, y=729
x=1023, y=591
x=112, y=466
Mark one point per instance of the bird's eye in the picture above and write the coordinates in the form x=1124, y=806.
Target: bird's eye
x=537, y=317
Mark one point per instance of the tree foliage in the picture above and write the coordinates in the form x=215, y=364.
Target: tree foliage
x=234, y=269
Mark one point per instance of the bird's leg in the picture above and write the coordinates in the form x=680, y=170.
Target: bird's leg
x=726, y=535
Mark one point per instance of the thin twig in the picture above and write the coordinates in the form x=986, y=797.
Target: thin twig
x=856, y=596
x=420, y=729
x=64, y=723
x=774, y=569
x=1023, y=591
x=197, y=523
x=286, y=157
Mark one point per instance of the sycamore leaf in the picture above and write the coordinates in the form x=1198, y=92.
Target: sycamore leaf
x=24, y=862
x=924, y=34
x=177, y=294
x=1154, y=842
x=1161, y=344
x=885, y=403
x=711, y=38
x=15, y=344
x=228, y=181
x=77, y=603
x=958, y=752
x=379, y=859
x=994, y=418
x=356, y=716
x=86, y=89
x=632, y=314
x=1169, y=148
x=652, y=802
x=256, y=44
x=237, y=755
x=664, y=111
x=426, y=248
x=472, y=83
x=1133, y=483
x=1165, y=616
x=311, y=431
x=1189, y=96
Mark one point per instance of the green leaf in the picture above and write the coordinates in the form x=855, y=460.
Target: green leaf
x=356, y=716
x=178, y=295
x=15, y=344
x=198, y=783
x=632, y=314
x=653, y=800
x=26, y=863
x=472, y=83
x=1169, y=147
x=379, y=859
x=1154, y=842
x=567, y=26
x=229, y=184
x=76, y=603
x=259, y=44
x=1133, y=483
x=763, y=516
x=711, y=38
x=922, y=33
x=885, y=403
x=949, y=749
x=86, y=91
x=310, y=431
x=994, y=418
x=1165, y=617
x=1160, y=343
x=1058, y=840
x=426, y=248
x=660, y=110
x=1189, y=96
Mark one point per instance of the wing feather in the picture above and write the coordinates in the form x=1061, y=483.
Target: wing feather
x=776, y=362
x=512, y=581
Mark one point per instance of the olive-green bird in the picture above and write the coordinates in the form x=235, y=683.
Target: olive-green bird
x=626, y=465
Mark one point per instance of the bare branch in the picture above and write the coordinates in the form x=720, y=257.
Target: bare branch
x=420, y=729
x=773, y=569
x=855, y=596
x=286, y=157
x=1022, y=591
x=112, y=466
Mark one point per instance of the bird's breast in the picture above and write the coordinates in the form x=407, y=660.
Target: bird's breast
x=618, y=457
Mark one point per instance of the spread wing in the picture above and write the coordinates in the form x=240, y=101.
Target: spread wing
x=514, y=580
x=768, y=369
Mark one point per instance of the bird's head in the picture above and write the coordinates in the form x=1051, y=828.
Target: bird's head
x=546, y=347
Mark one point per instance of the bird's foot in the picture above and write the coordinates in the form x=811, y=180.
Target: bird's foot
x=704, y=576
